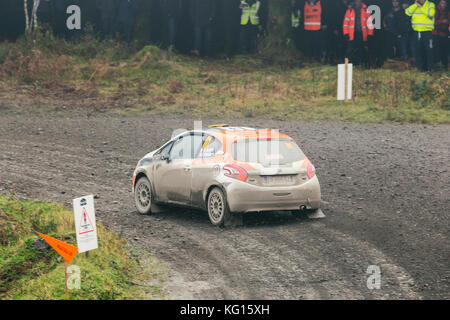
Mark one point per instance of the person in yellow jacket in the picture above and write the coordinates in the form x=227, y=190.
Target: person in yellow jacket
x=422, y=14
x=250, y=24
x=296, y=18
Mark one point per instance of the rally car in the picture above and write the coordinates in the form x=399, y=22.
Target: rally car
x=226, y=170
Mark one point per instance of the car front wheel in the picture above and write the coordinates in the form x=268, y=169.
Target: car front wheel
x=143, y=196
x=218, y=210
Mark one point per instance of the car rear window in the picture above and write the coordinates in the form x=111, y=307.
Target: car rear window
x=266, y=152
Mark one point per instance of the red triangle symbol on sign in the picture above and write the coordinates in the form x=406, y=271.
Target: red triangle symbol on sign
x=85, y=223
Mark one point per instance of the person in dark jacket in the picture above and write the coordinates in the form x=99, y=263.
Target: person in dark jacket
x=171, y=11
x=376, y=54
x=403, y=31
x=336, y=44
x=398, y=28
x=295, y=14
x=391, y=31
x=202, y=14
x=441, y=32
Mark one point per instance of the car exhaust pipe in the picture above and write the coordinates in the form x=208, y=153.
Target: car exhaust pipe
x=302, y=207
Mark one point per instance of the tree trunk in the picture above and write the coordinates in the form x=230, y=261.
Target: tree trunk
x=27, y=21
x=278, y=26
x=275, y=47
x=31, y=22
x=34, y=15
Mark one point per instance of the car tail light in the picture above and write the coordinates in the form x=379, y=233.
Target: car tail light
x=235, y=172
x=310, y=170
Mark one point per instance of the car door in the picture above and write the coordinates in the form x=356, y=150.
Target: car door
x=159, y=168
x=174, y=178
x=205, y=168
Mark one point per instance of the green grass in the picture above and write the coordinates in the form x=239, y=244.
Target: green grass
x=90, y=75
x=27, y=272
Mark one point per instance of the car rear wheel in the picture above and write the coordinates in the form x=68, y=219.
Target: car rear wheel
x=143, y=195
x=218, y=210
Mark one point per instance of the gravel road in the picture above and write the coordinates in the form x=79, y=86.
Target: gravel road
x=385, y=189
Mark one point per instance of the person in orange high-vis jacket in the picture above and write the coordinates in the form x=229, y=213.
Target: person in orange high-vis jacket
x=357, y=28
x=314, y=25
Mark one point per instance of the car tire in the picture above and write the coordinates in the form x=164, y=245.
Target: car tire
x=218, y=211
x=143, y=196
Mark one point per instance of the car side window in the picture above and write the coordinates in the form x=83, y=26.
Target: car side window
x=164, y=152
x=210, y=146
x=177, y=151
x=185, y=147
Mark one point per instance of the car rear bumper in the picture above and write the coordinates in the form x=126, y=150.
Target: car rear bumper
x=245, y=197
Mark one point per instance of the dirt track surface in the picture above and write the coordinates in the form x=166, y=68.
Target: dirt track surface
x=385, y=190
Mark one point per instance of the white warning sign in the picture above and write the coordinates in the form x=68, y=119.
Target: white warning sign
x=84, y=212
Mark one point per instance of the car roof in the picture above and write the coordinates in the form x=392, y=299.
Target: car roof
x=229, y=135
x=233, y=134
x=237, y=133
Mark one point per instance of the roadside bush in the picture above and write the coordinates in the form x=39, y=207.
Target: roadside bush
x=33, y=66
x=149, y=55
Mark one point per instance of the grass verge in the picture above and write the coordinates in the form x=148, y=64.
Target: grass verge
x=29, y=269
x=51, y=74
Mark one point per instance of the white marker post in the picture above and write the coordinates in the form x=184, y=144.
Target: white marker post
x=86, y=229
x=345, y=79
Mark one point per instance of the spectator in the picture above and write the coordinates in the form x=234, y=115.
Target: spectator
x=296, y=15
x=390, y=28
x=376, y=44
x=398, y=28
x=315, y=26
x=357, y=28
x=202, y=16
x=403, y=23
x=335, y=39
x=422, y=14
x=250, y=24
x=441, y=32
x=171, y=12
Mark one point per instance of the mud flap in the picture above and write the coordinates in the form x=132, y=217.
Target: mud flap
x=316, y=214
x=234, y=220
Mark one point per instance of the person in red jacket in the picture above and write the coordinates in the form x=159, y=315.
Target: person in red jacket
x=357, y=29
x=314, y=26
x=441, y=32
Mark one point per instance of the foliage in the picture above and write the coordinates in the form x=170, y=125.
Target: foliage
x=93, y=75
x=31, y=271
